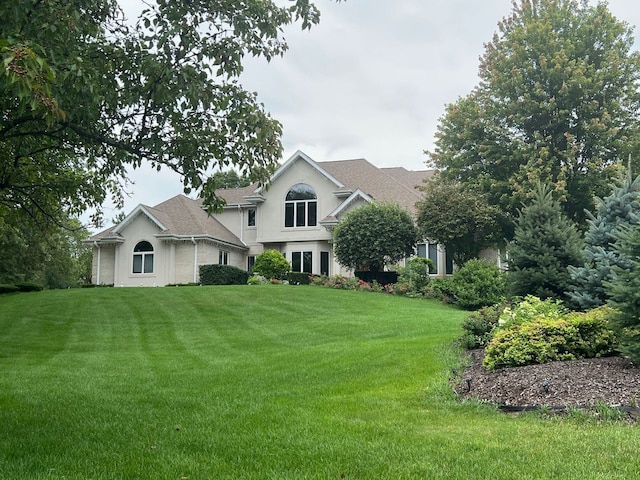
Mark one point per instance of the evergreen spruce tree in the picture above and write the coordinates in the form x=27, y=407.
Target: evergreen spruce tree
x=624, y=290
x=545, y=244
x=622, y=207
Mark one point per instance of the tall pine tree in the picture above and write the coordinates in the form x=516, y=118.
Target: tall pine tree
x=545, y=244
x=622, y=207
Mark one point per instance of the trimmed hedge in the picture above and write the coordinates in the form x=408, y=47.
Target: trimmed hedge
x=6, y=288
x=20, y=287
x=222, y=275
x=29, y=287
x=299, y=278
x=383, y=278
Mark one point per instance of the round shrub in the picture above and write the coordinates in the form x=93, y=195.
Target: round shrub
x=479, y=283
x=271, y=264
x=545, y=339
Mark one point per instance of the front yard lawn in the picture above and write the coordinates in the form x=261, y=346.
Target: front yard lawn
x=262, y=382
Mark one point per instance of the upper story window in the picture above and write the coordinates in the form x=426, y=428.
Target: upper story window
x=301, y=207
x=251, y=217
x=143, y=257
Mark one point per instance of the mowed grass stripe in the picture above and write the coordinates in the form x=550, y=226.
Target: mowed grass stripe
x=261, y=382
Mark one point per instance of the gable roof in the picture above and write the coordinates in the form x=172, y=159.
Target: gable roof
x=304, y=157
x=332, y=218
x=396, y=184
x=409, y=178
x=379, y=184
x=177, y=218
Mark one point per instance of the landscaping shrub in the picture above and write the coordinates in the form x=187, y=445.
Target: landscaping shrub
x=222, y=275
x=257, y=280
x=6, y=288
x=530, y=308
x=440, y=289
x=271, y=264
x=546, y=339
x=29, y=287
x=478, y=327
x=479, y=283
x=382, y=277
x=299, y=278
x=416, y=273
x=341, y=282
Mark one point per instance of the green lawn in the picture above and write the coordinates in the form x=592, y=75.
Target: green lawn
x=274, y=382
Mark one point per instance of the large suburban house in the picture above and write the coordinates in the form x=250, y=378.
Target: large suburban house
x=166, y=244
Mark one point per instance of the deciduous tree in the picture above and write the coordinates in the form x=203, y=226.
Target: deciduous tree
x=458, y=218
x=557, y=102
x=85, y=94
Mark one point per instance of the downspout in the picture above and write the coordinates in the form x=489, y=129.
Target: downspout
x=95, y=244
x=195, y=259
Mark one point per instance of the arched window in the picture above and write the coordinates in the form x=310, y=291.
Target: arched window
x=301, y=207
x=143, y=257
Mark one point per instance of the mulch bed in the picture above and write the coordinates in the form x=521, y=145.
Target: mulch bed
x=586, y=383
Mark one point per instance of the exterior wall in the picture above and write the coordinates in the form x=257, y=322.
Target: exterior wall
x=270, y=214
x=494, y=256
x=234, y=219
x=185, y=253
x=103, y=265
x=139, y=229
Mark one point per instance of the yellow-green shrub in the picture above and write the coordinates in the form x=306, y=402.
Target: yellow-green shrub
x=544, y=339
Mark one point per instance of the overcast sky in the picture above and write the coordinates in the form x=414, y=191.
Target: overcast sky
x=370, y=81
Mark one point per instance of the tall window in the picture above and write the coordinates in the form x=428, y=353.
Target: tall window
x=324, y=263
x=430, y=251
x=301, y=207
x=223, y=257
x=251, y=260
x=251, y=217
x=143, y=258
x=302, y=262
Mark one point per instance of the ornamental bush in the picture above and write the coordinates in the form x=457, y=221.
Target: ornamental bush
x=479, y=326
x=271, y=264
x=530, y=308
x=546, y=339
x=222, y=275
x=479, y=283
x=298, y=278
x=416, y=273
x=440, y=289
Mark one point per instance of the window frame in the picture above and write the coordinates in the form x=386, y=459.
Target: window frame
x=301, y=212
x=251, y=217
x=143, y=260
x=300, y=260
x=223, y=257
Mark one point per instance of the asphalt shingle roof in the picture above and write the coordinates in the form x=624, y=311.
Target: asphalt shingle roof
x=183, y=217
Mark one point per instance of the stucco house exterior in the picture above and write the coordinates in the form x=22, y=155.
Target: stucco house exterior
x=166, y=244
